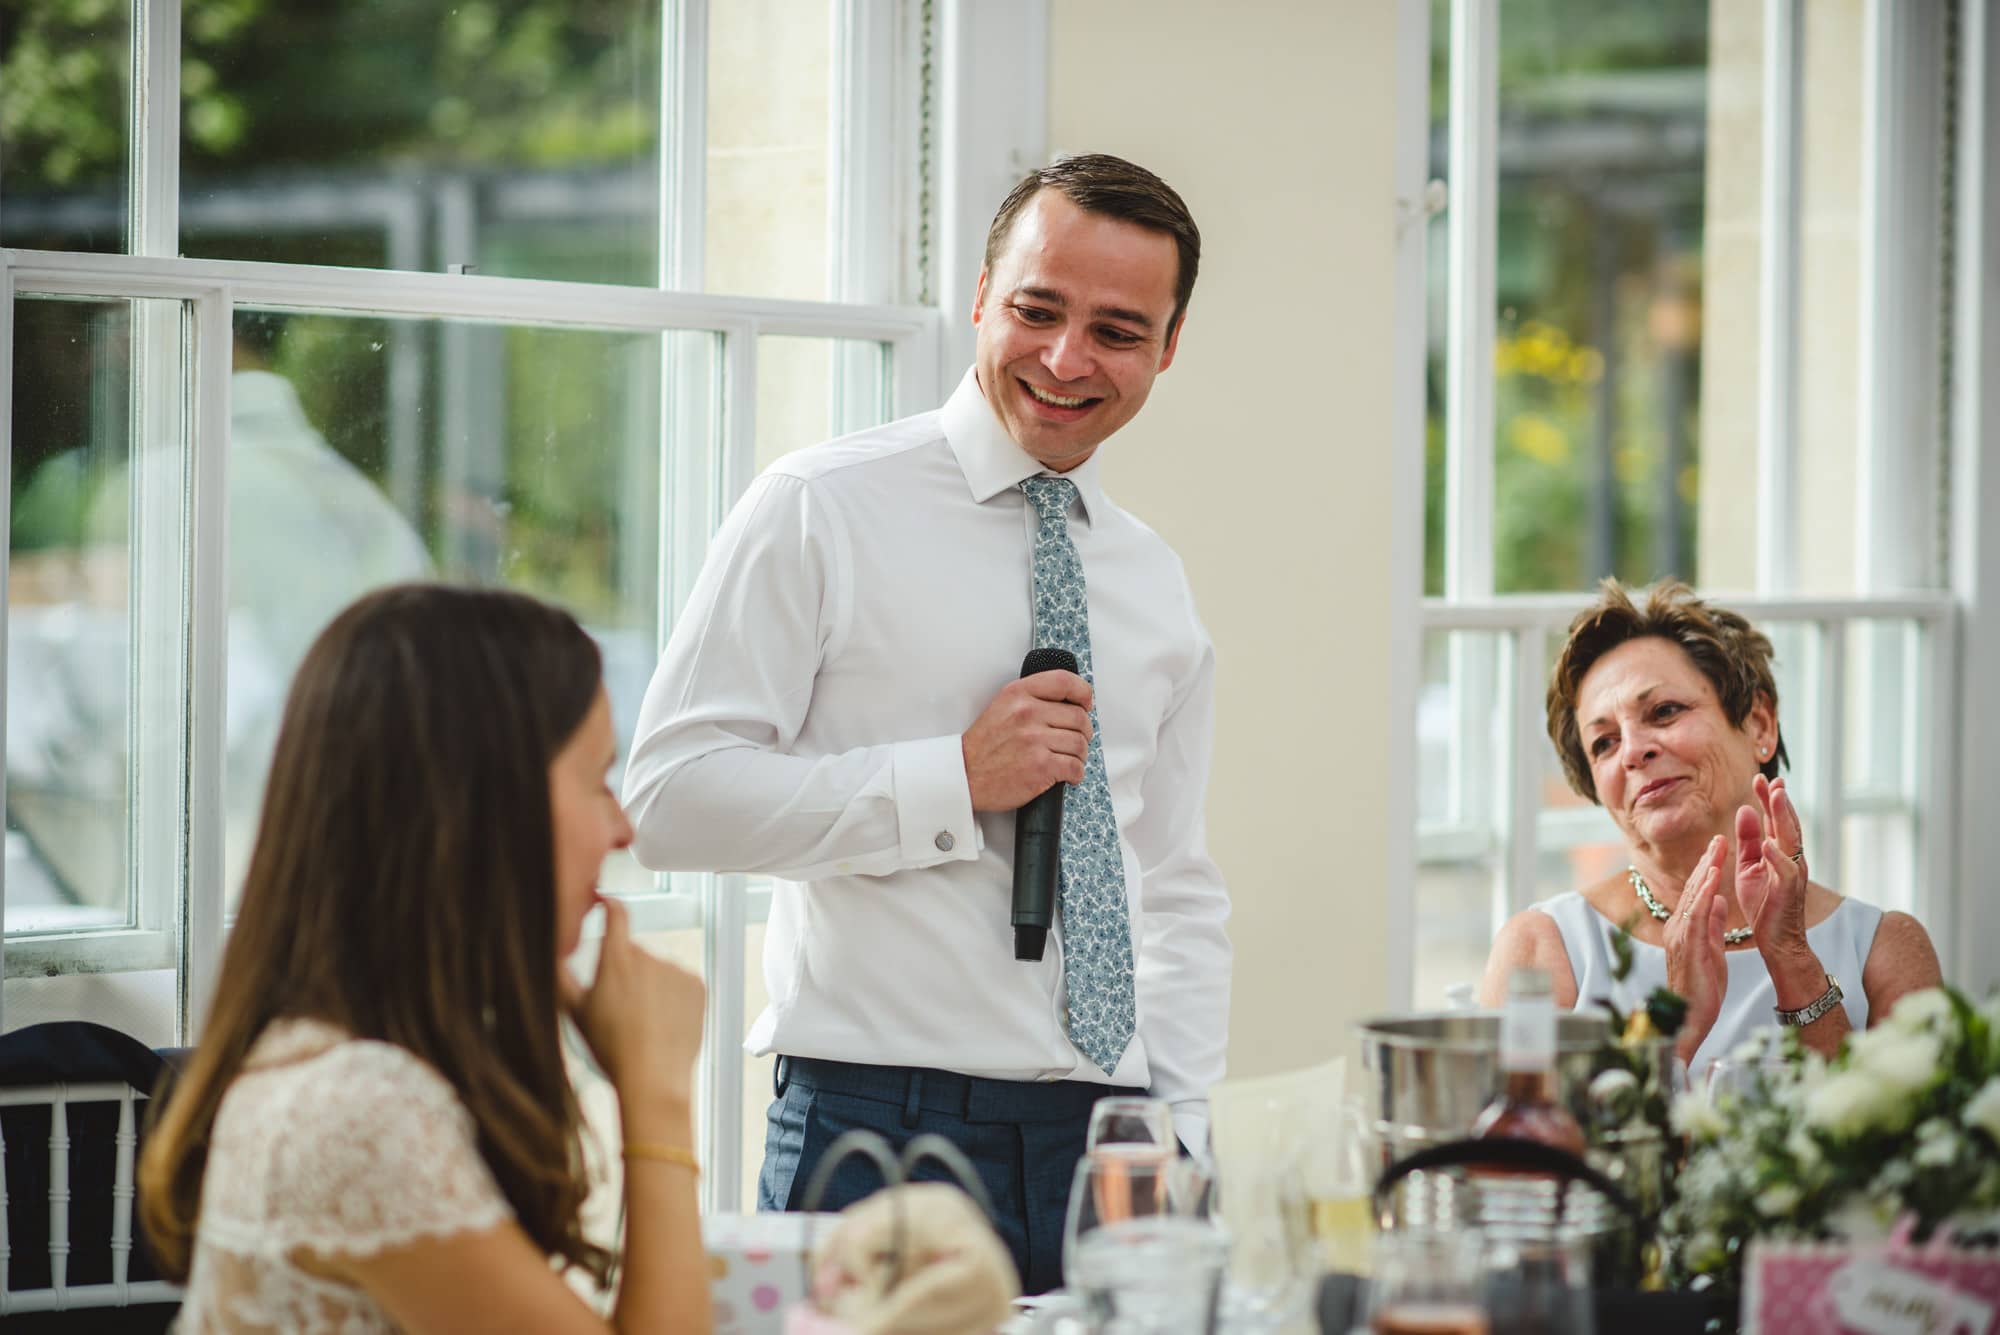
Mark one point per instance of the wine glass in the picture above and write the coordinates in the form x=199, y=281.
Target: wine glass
x=1743, y=1079
x=1339, y=1171
x=1429, y=1283
x=1540, y=1285
x=1264, y=1213
x=1139, y=1266
x=1132, y=1121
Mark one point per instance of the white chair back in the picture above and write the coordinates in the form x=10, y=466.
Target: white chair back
x=61, y=1295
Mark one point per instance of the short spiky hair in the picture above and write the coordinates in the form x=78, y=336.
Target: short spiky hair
x=1100, y=183
x=1733, y=654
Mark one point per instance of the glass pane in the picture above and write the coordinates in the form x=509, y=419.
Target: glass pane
x=1437, y=728
x=1597, y=353
x=1827, y=490
x=1799, y=664
x=1883, y=663
x=813, y=389
x=416, y=134
x=78, y=584
x=65, y=117
x=1458, y=766
x=1437, y=305
x=1454, y=931
x=522, y=457
x=1879, y=859
x=1569, y=857
x=1604, y=126
x=770, y=102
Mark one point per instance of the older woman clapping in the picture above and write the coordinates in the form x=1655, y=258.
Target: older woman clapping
x=1668, y=717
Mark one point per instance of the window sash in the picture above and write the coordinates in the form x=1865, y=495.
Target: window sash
x=1493, y=797
x=186, y=928
x=884, y=93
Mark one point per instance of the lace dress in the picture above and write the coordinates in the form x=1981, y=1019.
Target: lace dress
x=339, y=1146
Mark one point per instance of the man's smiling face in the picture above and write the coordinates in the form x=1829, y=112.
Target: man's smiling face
x=1073, y=319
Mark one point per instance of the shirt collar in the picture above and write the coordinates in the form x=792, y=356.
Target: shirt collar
x=990, y=459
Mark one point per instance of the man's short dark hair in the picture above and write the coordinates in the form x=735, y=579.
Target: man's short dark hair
x=1100, y=183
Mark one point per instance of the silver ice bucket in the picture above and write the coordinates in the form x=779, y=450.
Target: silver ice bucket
x=1430, y=1077
x=1433, y=1074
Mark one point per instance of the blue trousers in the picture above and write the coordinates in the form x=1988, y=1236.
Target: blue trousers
x=1024, y=1139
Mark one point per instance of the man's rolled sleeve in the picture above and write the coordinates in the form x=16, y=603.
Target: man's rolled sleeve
x=934, y=803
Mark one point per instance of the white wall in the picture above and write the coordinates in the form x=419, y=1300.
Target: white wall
x=1264, y=457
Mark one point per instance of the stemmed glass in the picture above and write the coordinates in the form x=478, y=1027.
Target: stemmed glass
x=1340, y=1169
x=1540, y=1286
x=1743, y=1078
x=1139, y=1266
x=1131, y=1121
x=1265, y=1214
x=1429, y=1284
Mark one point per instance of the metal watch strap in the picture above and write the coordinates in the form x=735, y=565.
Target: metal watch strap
x=1820, y=1005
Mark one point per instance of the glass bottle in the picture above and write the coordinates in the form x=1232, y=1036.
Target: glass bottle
x=1529, y=1106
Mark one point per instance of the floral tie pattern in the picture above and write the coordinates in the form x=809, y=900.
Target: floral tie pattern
x=1097, y=930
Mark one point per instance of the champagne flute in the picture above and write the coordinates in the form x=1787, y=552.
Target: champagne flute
x=1340, y=1173
x=1429, y=1284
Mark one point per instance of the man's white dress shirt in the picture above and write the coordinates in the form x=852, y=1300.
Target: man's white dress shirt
x=862, y=604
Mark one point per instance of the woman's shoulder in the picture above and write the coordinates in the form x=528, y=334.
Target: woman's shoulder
x=330, y=1106
x=364, y=1142
x=332, y=1071
x=1532, y=938
x=1535, y=926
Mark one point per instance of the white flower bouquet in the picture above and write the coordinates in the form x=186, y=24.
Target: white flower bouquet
x=1903, y=1123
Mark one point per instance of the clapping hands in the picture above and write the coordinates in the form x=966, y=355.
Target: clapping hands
x=1696, y=965
x=1771, y=882
x=1771, y=876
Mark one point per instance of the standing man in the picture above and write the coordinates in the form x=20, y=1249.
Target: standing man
x=840, y=707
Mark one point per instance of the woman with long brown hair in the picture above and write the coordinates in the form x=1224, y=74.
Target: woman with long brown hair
x=377, y=1131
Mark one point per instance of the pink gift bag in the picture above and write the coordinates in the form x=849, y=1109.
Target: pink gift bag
x=1885, y=1288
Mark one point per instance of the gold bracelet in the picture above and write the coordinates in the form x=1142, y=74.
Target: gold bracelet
x=674, y=1154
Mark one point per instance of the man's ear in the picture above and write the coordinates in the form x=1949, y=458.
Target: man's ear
x=1173, y=345
x=979, y=297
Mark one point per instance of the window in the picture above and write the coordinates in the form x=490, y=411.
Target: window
x=511, y=293
x=1654, y=298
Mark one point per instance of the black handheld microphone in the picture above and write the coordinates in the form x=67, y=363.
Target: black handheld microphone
x=1038, y=839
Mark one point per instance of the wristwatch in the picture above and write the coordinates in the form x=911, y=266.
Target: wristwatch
x=1819, y=1006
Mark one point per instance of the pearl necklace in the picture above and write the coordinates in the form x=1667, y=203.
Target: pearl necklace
x=1734, y=937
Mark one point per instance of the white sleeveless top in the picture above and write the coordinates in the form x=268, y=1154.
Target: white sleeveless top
x=1842, y=942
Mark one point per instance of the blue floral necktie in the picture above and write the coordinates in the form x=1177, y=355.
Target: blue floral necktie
x=1097, y=928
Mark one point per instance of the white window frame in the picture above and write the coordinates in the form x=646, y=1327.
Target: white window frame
x=1974, y=961
x=883, y=281
x=1951, y=749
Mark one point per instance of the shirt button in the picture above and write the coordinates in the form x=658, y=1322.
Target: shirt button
x=945, y=843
